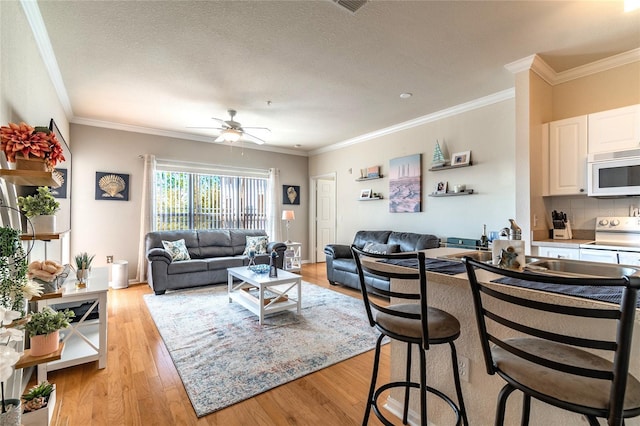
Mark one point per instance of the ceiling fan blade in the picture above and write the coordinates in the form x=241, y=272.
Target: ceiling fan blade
x=251, y=138
x=219, y=139
x=258, y=128
x=205, y=127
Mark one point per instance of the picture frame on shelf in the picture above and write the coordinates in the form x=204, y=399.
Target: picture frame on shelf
x=373, y=172
x=365, y=193
x=441, y=187
x=461, y=158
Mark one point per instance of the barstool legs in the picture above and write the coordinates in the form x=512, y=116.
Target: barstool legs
x=456, y=380
x=374, y=377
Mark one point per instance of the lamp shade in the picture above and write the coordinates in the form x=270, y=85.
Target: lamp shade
x=288, y=215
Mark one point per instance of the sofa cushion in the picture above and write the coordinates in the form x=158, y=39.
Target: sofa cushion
x=377, y=248
x=259, y=244
x=177, y=249
x=224, y=262
x=214, y=243
x=364, y=237
x=409, y=241
x=187, y=266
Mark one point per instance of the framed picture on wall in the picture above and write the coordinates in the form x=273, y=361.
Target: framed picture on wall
x=112, y=186
x=291, y=194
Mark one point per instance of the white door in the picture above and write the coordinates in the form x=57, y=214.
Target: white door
x=325, y=215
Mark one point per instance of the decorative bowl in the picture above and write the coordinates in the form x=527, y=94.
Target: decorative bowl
x=259, y=269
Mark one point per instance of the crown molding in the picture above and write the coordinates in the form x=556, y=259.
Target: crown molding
x=439, y=115
x=41, y=36
x=536, y=64
x=177, y=135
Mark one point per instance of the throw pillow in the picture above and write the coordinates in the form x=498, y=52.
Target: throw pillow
x=377, y=248
x=259, y=244
x=178, y=249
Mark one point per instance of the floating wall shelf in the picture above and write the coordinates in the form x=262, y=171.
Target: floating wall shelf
x=453, y=194
x=362, y=179
x=437, y=169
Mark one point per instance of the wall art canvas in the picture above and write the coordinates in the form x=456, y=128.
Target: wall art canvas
x=405, y=184
x=61, y=191
x=112, y=186
x=290, y=194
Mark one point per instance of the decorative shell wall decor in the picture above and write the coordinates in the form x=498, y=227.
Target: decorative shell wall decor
x=112, y=186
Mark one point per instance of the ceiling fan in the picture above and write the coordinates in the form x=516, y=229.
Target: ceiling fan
x=232, y=131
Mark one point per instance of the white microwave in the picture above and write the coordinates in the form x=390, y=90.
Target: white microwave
x=614, y=174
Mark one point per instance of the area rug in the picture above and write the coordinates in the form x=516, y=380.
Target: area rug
x=224, y=356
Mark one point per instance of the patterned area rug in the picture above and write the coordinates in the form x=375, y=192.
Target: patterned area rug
x=224, y=356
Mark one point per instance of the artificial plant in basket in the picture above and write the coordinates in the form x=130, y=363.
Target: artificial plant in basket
x=44, y=329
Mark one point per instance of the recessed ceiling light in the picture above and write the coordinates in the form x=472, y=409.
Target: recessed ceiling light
x=297, y=145
x=405, y=95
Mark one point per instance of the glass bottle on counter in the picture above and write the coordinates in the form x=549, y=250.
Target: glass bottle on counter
x=484, y=241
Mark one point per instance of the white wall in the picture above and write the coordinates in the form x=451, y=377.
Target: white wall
x=488, y=132
x=112, y=227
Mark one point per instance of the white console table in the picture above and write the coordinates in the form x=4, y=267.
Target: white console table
x=86, y=339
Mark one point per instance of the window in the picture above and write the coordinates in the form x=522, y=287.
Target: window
x=187, y=200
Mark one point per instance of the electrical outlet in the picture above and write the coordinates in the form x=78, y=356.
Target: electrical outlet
x=464, y=368
x=109, y=259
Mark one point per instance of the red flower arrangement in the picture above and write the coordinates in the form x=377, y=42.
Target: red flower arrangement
x=38, y=142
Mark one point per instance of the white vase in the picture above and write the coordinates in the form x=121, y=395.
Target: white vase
x=44, y=224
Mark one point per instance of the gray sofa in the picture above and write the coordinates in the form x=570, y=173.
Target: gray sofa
x=212, y=251
x=341, y=267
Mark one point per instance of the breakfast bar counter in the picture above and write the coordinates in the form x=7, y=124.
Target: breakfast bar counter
x=451, y=292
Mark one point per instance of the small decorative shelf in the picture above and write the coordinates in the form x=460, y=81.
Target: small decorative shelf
x=362, y=179
x=26, y=360
x=41, y=237
x=453, y=194
x=370, y=199
x=30, y=178
x=437, y=169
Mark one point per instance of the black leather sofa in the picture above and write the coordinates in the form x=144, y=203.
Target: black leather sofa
x=341, y=267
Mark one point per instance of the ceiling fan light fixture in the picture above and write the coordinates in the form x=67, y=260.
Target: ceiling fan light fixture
x=231, y=135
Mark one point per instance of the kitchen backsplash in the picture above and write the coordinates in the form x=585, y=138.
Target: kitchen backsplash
x=582, y=211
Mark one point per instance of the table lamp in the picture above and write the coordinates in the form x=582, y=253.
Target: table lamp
x=288, y=215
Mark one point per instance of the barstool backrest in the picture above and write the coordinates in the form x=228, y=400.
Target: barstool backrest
x=387, y=265
x=503, y=314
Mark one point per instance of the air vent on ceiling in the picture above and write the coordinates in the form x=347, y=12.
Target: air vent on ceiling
x=351, y=5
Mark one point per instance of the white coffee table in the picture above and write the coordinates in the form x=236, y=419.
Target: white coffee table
x=263, y=295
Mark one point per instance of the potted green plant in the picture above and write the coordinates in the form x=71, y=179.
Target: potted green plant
x=40, y=208
x=44, y=329
x=83, y=265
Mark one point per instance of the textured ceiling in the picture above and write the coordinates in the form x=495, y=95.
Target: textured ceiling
x=330, y=75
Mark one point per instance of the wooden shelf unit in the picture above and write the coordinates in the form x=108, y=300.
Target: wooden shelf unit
x=30, y=178
x=363, y=179
x=26, y=360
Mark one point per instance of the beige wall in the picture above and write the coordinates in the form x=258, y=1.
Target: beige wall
x=112, y=227
x=609, y=89
x=488, y=132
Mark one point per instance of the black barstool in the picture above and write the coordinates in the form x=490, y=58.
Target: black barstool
x=521, y=343
x=409, y=322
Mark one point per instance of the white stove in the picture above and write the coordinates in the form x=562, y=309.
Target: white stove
x=617, y=241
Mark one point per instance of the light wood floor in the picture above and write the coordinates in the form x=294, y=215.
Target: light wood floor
x=140, y=385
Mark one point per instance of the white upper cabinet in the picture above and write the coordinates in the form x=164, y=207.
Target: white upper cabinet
x=568, y=156
x=614, y=130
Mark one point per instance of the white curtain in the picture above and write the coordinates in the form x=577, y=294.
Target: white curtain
x=273, y=206
x=147, y=213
